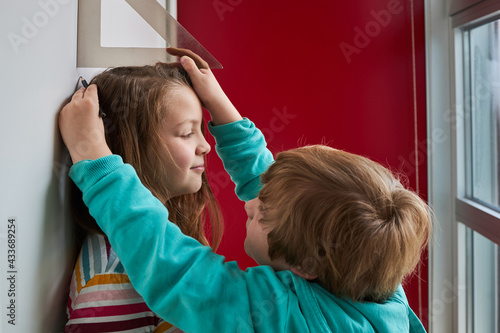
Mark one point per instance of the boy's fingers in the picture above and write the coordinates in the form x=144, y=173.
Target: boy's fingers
x=200, y=63
x=91, y=92
x=78, y=94
x=174, y=64
x=189, y=65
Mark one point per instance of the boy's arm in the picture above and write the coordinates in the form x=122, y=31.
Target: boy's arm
x=239, y=144
x=242, y=148
x=181, y=280
x=82, y=129
x=221, y=110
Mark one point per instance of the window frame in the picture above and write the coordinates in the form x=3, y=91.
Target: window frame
x=447, y=190
x=473, y=214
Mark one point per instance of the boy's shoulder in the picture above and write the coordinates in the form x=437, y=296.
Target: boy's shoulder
x=323, y=309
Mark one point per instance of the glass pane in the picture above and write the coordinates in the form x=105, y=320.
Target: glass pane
x=483, y=94
x=482, y=284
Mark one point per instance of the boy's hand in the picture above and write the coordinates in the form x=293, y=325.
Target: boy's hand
x=207, y=88
x=81, y=127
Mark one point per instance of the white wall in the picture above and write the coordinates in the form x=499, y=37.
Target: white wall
x=38, y=73
x=38, y=53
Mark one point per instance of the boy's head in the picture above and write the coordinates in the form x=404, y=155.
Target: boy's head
x=340, y=218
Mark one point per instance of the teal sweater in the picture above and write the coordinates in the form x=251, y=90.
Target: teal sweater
x=188, y=285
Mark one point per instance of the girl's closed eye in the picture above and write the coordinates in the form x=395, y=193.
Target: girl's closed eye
x=187, y=135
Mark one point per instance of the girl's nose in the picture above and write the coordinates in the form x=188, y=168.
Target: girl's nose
x=204, y=147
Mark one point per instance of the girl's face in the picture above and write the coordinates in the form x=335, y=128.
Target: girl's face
x=181, y=133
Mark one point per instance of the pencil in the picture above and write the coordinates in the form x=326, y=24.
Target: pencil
x=86, y=85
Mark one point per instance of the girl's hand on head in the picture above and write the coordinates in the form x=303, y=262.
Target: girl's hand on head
x=81, y=127
x=206, y=87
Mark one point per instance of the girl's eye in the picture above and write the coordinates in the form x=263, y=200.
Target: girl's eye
x=187, y=136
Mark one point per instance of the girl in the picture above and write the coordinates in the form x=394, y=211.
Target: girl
x=154, y=120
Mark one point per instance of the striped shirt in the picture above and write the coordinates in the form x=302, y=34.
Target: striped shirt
x=102, y=298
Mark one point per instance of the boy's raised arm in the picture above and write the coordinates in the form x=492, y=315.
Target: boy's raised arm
x=82, y=129
x=240, y=145
x=207, y=88
x=242, y=149
x=181, y=280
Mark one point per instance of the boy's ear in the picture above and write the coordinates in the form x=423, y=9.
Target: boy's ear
x=300, y=272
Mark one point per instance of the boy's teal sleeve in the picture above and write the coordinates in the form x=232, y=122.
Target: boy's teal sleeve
x=191, y=287
x=181, y=280
x=242, y=148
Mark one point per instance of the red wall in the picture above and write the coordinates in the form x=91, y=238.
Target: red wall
x=305, y=74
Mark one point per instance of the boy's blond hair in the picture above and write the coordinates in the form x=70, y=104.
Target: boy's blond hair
x=344, y=218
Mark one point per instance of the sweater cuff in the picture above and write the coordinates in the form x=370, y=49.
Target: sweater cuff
x=86, y=173
x=227, y=134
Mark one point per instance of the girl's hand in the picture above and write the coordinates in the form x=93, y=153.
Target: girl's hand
x=81, y=127
x=206, y=87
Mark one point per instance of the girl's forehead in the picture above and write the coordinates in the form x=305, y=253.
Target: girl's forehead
x=182, y=106
x=180, y=93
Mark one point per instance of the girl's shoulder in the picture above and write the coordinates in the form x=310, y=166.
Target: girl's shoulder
x=100, y=289
x=98, y=257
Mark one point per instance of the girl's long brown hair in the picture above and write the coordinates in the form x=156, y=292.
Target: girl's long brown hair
x=135, y=101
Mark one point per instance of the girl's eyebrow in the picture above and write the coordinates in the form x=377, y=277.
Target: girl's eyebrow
x=190, y=121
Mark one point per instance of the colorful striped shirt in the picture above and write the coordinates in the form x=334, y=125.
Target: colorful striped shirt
x=102, y=299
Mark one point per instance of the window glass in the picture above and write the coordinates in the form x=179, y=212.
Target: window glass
x=483, y=111
x=481, y=120
x=482, y=283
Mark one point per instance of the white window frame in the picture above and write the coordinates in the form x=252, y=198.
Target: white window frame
x=447, y=253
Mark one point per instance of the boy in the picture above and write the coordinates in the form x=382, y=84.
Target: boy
x=334, y=233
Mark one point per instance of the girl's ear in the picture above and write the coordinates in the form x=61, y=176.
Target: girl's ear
x=300, y=272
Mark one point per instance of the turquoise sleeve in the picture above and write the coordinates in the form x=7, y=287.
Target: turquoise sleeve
x=191, y=287
x=242, y=149
x=181, y=280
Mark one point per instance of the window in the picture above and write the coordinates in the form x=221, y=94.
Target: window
x=463, y=39
x=482, y=83
x=477, y=179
